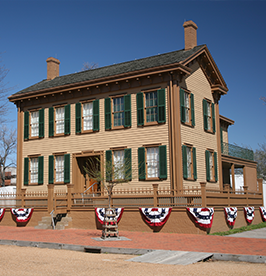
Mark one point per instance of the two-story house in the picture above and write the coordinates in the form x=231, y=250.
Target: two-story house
x=160, y=113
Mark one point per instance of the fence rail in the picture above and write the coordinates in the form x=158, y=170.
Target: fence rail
x=61, y=202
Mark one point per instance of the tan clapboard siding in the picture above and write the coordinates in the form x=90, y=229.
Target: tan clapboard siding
x=133, y=138
x=201, y=140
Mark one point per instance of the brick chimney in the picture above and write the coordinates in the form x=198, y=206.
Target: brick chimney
x=52, y=68
x=190, y=30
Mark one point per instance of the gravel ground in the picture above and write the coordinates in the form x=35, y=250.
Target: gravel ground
x=38, y=261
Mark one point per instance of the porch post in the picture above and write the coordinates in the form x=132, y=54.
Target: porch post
x=155, y=194
x=50, y=203
x=69, y=195
x=233, y=176
x=203, y=194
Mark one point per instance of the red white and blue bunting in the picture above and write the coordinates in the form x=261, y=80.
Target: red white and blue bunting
x=263, y=213
x=156, y=216
x=22, y=214
x=230, y=214
x=249, y=213
x=202, y=216
x=100, y=212
x=2, y=212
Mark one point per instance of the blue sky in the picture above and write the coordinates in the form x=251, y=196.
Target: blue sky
x=108, y=32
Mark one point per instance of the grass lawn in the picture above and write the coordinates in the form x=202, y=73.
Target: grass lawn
x=241, y=229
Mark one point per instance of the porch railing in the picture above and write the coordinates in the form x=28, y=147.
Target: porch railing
x=236, y=151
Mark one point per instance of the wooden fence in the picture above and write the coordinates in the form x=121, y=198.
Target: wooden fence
x=62, y=202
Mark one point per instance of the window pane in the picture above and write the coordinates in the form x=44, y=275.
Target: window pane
x=87, y=116
x=209, y=115
x=152, y=162
x=60, y=120
x=189, y=163
x=35, y=124
x=211, y=164
x=59, y=168
x=151, y=106
x=118, y=111
x=186, y=107
x=34, y=170
x=119, y=168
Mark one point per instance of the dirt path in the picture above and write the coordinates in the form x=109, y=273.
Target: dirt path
x=37, y=261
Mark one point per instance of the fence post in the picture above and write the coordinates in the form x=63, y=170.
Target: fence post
x=227, y=189
x=203, y=194
x=155, y=194
x=246, y=193
x=23, y=191
x=69, y=195
x=50, y=202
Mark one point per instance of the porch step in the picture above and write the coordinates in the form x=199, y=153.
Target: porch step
x=61, y=221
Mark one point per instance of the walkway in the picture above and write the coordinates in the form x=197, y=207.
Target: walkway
x=139, y=240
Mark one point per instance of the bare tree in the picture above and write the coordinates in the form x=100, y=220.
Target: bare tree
x=263, y=99
x=3, y=90
x=260, y=157
x=89, y=66
x=8, y=144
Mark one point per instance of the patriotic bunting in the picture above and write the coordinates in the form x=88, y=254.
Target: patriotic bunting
x=156, y=216
x=263, y=213
x=2, y=212
x=231, y=214
x=202, y=216
x=249, y=213
x=100, y=212
x=22, y=214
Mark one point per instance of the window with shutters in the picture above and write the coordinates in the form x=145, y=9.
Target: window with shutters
x=118, y=165
x=189, y=162
x=34, y=124
x=118, y=112
x=152, y=162
x=209, y=116
x=151, y=107
x=211, y=166
x=33, y=170
x=187, y=108
x=87, y=116
x=59, y=169
x=59, y=120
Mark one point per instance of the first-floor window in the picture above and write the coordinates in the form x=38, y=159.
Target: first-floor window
x=34, y=170
x=59, y=168
x=189, y=162
x=211, y=165
x=152, y=162
x=119, y=164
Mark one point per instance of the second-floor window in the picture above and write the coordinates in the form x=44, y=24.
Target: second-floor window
x=59, y=120
x=187, y=108
x=118, y=111
x=208, y=116
x=34, y=124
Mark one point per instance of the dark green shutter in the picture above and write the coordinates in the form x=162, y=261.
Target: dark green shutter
x=67, y=119
x=26, y=125
x=108, y=165
x=107, y=108
x=207, y=156
x=26, y=171
x=140, y=109
x=41, y=123
x=205, y=114
x=51, y=169
x=194, y=164
x=141, y=163
x=96, y=115
x=127, y=111
x=163, y=162
x=213, y=118
x=184, y=154
x=215, y=166
x=128, y=165
x=192, y=109
x=182, y=106
x=40, y=170
x=222, y=140
x=51, y=122
x=67, y=168
x=161, y=105
x=78, y=117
